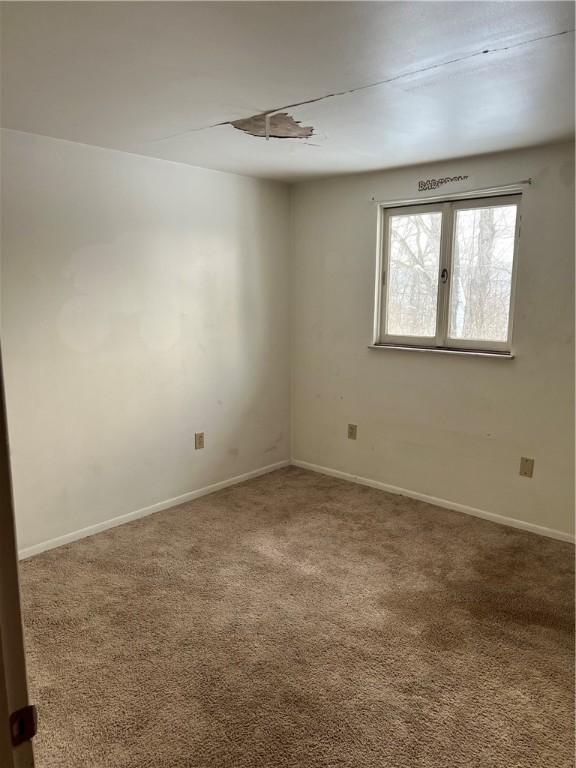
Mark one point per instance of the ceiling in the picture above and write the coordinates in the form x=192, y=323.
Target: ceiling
x=418, y=81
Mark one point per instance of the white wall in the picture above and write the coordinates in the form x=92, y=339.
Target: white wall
x=445, y=426
x=144, y=300
x=141, y=301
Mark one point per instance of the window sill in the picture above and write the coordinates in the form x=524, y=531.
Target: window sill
x=446, y=351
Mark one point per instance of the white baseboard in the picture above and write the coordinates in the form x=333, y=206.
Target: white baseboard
x=120, y=520
x=438, y=502
x=97, y=527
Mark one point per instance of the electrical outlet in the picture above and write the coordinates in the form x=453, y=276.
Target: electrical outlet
x=199, y=440
x=526, y=467
x=352, y=431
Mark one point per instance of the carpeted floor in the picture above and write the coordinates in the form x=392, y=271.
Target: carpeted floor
x=298, y=621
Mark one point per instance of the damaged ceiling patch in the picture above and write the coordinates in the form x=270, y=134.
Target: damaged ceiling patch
x=278, y=126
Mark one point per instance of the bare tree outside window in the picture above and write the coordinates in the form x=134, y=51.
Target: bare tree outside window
x=413, y=274
x=482, y=273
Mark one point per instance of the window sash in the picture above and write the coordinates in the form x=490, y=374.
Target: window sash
x=408, y=210
x=449, y=210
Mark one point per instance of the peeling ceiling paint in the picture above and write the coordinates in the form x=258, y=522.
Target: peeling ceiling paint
x=278, y=126
x=256, y=123
x=377, y=84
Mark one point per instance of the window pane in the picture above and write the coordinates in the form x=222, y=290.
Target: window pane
x=482, y=273
x=414, y=247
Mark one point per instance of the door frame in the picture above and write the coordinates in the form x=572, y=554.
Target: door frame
x=13, y=681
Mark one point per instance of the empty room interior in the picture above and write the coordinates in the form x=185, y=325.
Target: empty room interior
x=287, y=325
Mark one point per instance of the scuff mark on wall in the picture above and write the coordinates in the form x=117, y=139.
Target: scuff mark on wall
x=275, y=445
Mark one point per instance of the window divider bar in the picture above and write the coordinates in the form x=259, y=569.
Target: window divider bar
x=445, y=264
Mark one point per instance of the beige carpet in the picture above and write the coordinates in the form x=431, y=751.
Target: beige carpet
x=298, y=621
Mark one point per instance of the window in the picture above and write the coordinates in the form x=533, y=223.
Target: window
x=446, y=276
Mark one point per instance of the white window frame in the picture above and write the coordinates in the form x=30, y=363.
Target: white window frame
x=449, y=208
